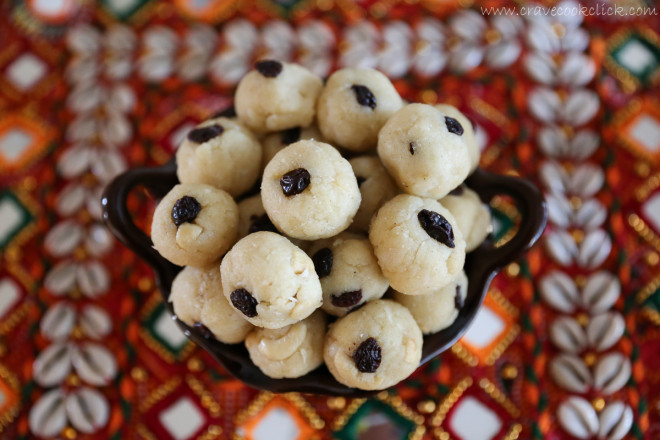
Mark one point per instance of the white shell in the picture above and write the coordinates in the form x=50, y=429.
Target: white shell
x=82, y=128
x=63, y=238
x=540, y=67
x=560, y=211
x=88, y=410
x=120, y=38
x=555, y=143
x=241, y=34
x=94, y=364
x=74, y=161
x=108, y=164
x=70, y=199
x=397, y=33
x=315, y=35
x=81, y=69
x=465, y=57
x=431, y=30
x=575, y=40
x=53, y=365
x=600, y=292
x=570, y=373
x=394, y=58
x=577, y=69
x=578, y=417
x=503, y=54
x=552, y=141
x=116, y=130
x=83, y=39
x=394, y=61
x=118, y=68
x=605, y=330
x=360, y=55
x=583, y=144
x=85, y=97
x=122, y=98
x=94, y=206
x=615, y=421
x=160, y=40
x=468, y=25
x=559, y=291
x=229, y=67
x=95, y=322
x=568, y=335
x=58, y=321
x=429, y=62
x=542, y=38
x=562, y=247
x=581, y=107
x=587, y=180
x=93, y=278
x=590, y=215
x=361, y=38
x=553, y=176
x=509, y=26
x=99, y=240
x=544, y=104
x=61, y=278
x=278, y=39
x=611, y=373
x=362, y=34
x=318, y=64
x=156, y=67
x=47, y=416
x=201, y=39
x=570, y=15
x=594, y=249
x=192, y=66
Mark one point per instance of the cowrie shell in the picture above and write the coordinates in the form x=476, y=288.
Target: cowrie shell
x=570, y=372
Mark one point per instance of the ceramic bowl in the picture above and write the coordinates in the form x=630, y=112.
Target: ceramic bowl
x=481, y=265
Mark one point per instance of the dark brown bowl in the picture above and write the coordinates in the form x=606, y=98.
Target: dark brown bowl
x=481, y=266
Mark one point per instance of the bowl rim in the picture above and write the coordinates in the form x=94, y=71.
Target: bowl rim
x=481, y=265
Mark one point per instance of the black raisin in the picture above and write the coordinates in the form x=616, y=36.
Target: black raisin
x=457, y=191
x=269, y=68
x=360, y=180
x=459, y=302
x=347, y=299
x=291, y=135
x=245, y=302
x=204, y=330
x=367, y=356
x=185, y=210
x=412, y=146
x=453, y=126
x=437, y=227
x=322, y=262
x=364, y=96
x=261, y=223
x=205, y=134
x=295, y=181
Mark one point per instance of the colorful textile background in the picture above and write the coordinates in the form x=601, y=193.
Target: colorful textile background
x=568, y=340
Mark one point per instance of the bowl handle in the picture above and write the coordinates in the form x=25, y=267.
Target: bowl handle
x=158, y=180
x=529, y=202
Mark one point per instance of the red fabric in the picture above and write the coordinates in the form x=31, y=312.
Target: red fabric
x=497, y=100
